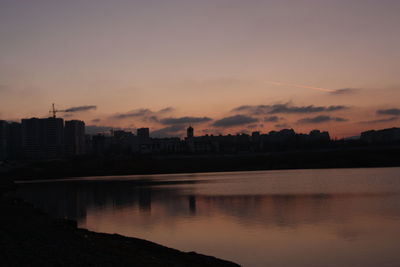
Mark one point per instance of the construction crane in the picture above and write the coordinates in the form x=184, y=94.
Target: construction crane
x=53, y=111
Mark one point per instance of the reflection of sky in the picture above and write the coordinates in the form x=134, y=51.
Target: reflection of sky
x=318, y=217
x=202, y=58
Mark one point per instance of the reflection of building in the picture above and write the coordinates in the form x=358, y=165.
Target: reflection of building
x=74, y=134
x=145, y=199
x=192, y=204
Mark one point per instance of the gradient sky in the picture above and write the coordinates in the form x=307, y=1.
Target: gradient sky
x=330, y=65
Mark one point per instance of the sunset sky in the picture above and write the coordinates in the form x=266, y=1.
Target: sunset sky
x=223, y=66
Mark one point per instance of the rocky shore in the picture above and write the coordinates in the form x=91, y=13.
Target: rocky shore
x=29, y=237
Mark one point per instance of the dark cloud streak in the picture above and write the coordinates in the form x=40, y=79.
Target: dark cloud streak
x=184, y=120
x=79, y=109
x=135, y=113
x=166, y=110
x=272, y=119
x=234, y=121
x=286, y=109
x=320, y=119
x=379, y=121
x=344, y=91
x=390, y=111
x=143, y=113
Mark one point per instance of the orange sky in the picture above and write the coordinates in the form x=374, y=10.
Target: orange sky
x=203, y=59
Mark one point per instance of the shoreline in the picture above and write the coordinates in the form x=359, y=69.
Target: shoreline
x=29, y=237
x=100, y=178
x=180, y=164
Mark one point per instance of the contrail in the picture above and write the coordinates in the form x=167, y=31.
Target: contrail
x=303, y=86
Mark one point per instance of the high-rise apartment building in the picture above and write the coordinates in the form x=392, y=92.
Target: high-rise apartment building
x=42, y=138
x=143, y=133
x=3, y=140
x=54, y=137
x=74, y=137
x=32, y=138
x=14, y=140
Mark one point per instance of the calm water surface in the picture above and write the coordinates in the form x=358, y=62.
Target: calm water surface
x=333, y=217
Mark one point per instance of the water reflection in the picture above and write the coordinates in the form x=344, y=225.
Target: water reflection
x=76, y=200
x=219, y=216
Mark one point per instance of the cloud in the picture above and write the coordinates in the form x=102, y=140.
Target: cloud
x=282, y=126
x=152, y=118
x=320, y=119
x=184, y=120
x=379, y=121
x=166, y=110
x=271, y=119
x=252, y=126
x=286, y=109
x=302, y=86
x=94, y=129
x=134, y=113
x=68, y=115
x=255, y=110
x=96, y=120
x=344, y=91
x=331, y=91
x=144, y=113
x=169, y=131
x=390, y=111
x=234, y=121
x=243, y=108
x=79, y=109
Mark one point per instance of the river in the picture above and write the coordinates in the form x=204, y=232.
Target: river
x=324, y=217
